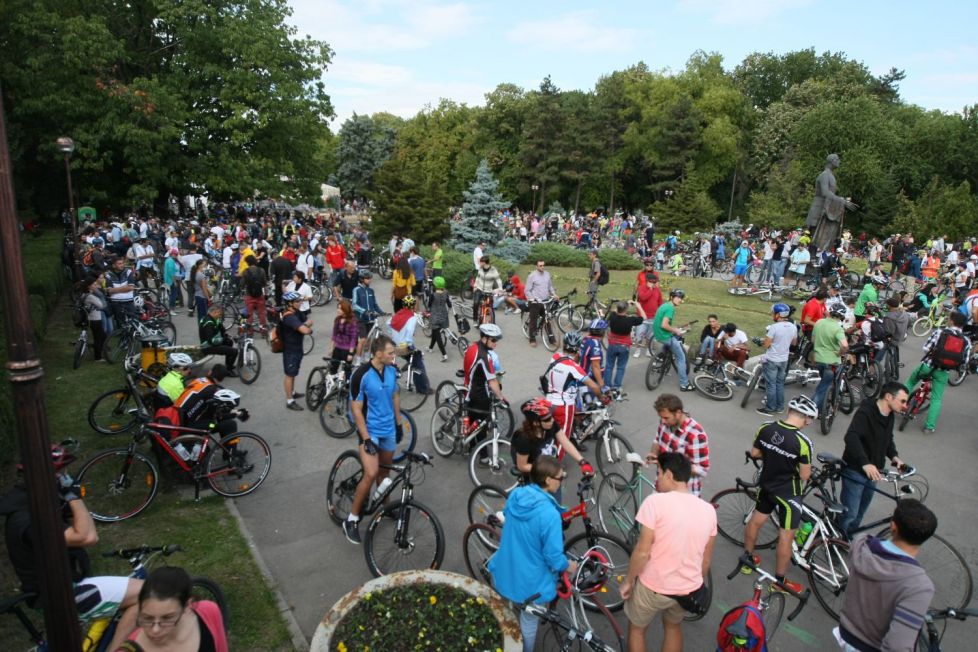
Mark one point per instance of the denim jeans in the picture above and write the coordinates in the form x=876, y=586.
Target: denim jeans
x=774, y=377
x=857, y=494
x=614, y=372
x=706, y=346
x=644, y=331
x=827, y=376
x=766, y=268
x=777, y=270
x=680, y=355
x=528, y=627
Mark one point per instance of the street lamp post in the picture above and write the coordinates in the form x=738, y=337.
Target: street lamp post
x=535, y=187
x=67, y=146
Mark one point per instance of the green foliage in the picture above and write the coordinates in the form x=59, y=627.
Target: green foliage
x=458, y=268
x=618, y=259
x=406, y=204
x=940, y=210
x=557, y=255
x=365, y=142
x=482, y=202
x=511, y=250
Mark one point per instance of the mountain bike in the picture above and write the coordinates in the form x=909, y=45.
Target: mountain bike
x=929, y=639
x=918, y=403
x=768, y=599
x=865, y=374
x=119, y=410
x=660, y=363
x=120, y=483
x=956, y=376
x=125, y=339
x=718, y=382
x=336, y=416
x=550, y=323
x=613, y=450
x=249, y=359
x=841, y=397
x=403, y=534
x=407, y=380
x=101, y=630
x=321, y=383
x=936, y=318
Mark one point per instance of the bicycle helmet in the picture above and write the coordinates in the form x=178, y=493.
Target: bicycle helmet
x=877, y=279
x=592, y=572
x=179, y=360
x=439, y=282
x=677, y=293
x=872, y=308
x=289, y=297
x=228, y=396
x=536, y=409
x=573, y=341
x=837, y=310
x=491, y=330
x=804, y=405
x=598, y=325
x=138, y=301
x=367, y=274
x=781, y=309
x=408, y=301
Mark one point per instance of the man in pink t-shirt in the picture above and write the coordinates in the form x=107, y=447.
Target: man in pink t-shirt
x=672, y=555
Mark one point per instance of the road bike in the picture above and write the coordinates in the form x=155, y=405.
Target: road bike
x=119, y=483
x=660, y=363
x=929, y=639
x=768, y=599
x=403, y=534
x=100, y=631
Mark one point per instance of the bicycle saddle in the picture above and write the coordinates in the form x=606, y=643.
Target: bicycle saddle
x=154, y=338
x=829, y=458
x=834, y=507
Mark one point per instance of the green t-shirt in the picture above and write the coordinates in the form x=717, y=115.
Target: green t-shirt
x=827, y=337
x=868, y=294
x=436, y=262
x=668, y=309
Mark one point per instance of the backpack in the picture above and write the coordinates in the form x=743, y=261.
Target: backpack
x=949, y=350
x=253, y=281
x=544, y=383
x=742, y=630
x=89, y=258
x=603, y=275
x=877, y=332
x=79, y=314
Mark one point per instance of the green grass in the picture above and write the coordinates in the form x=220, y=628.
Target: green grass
x=207, y=532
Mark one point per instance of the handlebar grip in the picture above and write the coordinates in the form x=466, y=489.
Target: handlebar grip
x=170, y=549
x=802, y=601
x=529, y=600
x=113, y=553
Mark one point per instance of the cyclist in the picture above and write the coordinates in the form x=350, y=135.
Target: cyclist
x=592, y=351
x=538, y=289
x=680, y=433
x=563, y=377
x=487, y=279
x=541, y=435
x=365, y=306
x=869, y=294
x=377, y=413
x=872, y=332
x=205, y=404
x=828, y=343
x=479, y=374
x=292, y=328
x=732, y=344
x=778, y=340
x=215, y=339
x=402, y=326
x=814, y=310
x=665, y=332
x=787, y=454
x=593, y=275
x=946, y=349
x=95, y=597
x=170, y=386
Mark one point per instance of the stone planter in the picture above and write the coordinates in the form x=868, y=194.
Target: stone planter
x=508, y=623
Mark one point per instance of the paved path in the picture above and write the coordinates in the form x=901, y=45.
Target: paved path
x=314, y=565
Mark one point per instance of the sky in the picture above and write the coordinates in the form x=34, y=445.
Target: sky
x=398, y=56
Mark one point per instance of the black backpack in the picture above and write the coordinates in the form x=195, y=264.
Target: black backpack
x=254, y=281
x=603, y=275
x=79, y=313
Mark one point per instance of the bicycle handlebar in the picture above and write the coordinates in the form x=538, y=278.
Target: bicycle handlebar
x=802, y=597
x=951, y=612
x=129, y=553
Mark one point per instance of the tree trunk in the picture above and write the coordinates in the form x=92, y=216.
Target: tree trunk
x=577, y=195
x=611, y=200
x=733, y=188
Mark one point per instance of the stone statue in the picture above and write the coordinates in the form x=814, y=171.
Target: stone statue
x=827, y=209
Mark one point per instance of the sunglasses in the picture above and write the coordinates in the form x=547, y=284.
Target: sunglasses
x=545, y=419
x=494, y=339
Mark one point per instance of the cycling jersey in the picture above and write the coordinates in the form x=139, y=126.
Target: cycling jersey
x=563, y=379
x=170, y=387
x=478, y=369
x=376, y=389
x=784, y=449
x=591, y=350
x=193, y=401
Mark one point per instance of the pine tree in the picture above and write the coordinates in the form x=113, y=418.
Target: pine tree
x=482, y=202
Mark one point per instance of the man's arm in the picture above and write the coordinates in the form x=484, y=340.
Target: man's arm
x=81, y=533
x=640, y=557
x=908, y=618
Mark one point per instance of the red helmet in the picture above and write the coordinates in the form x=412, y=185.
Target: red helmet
x=537, y=409
x=61, y=456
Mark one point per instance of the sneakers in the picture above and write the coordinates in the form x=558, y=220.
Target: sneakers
x=533, y=343
x=765, y=412
x=687, y=388
x=793, y=586
x=298, y=394
x=747, y=570
x=638, y=353
x=444, y=357
x=292, y=405
x=929, y=431
x=351, y=530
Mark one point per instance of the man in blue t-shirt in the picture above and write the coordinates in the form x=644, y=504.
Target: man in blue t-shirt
x=379, y=428
x=592, y=352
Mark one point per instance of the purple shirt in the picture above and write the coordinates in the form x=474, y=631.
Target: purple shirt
x=345, y=334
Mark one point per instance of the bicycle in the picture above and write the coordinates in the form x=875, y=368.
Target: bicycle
x=660, y=363
x=918, y=403
x=119, y=410
x=840, y=397
x=321, y=383
x=120, y=483
x=865, y=374
x=613, y=449
x=453, y=394
x=391, y=522
x=549, y=323
x=101, y=630
x=767, y=600
x=407, y=378
x=718, y=383
x=80, y=345
x=937, y=317
x=249, y=359
x=929, y=639
x=123, y=341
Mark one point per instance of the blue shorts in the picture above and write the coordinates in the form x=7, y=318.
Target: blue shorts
x=291, y=361
x=384, y=443
x=740, y=270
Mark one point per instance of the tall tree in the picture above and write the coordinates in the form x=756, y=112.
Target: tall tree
x=365, y=142
x=406, y=204
x=482, y=202
x=540, y=155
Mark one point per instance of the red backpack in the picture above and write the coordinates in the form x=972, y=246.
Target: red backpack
x=742, y=630
x=949, y=350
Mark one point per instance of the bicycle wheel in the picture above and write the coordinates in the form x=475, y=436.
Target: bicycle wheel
x=956, y=376
x=447, y=393
x=238, y=465
x=169, y=331
x=479, y=543
x=334, y=414
x=116, y=345
x=344, y=477
x=655, y=371
x=735, y=507
x=204, y=588
x=548, y=329
x=947, y=568
x=404, y=536
x=847, y=398
x=115, y=411
x=496, y=468
x=872, y=381
x=505, y=421
x=828, y=573
x=525, y=323
x=773, y=611
x=708, y=581
x=922, y=326
x=231, y=314
x=569, y=319
x=755, y=378
x=826, y=414
x=80, y=346
x=617, y=506
x=249, y=365
x=462, y=344
x=611, y=454
x=712, y=386
x=486, y=502
x=409, y=439
x=916, y=486
x=446, y=429
x=910, y=412
x=308, y=343
x=316, y=387
x=407, y=385
x=118, y=484
x=618, y=554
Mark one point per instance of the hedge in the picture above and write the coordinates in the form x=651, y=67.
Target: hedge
x=561, y=255
x=457, y=267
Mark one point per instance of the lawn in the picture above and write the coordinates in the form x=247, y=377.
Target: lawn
x=206, y=530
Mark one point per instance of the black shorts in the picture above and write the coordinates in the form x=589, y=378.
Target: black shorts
x=788, y=508
x=363, y=328
x=291, y=360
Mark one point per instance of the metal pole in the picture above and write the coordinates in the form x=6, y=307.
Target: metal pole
x=74, y=219
x=26, y=374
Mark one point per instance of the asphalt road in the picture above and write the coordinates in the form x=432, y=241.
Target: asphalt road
x=313, y=564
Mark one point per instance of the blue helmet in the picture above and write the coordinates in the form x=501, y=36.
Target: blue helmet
x=289, y=297
x=598, y=325
x=781, y=309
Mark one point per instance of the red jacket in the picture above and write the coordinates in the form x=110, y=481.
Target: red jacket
x=336, y=256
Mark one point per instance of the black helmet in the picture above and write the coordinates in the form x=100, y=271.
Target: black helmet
x=677, y=293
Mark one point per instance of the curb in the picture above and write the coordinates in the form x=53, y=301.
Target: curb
x=299, y=641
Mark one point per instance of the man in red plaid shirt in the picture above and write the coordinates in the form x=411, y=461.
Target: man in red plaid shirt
x=680, y=433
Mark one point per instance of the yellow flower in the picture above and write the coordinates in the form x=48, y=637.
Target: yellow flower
x=480, y=600
x=341, y=647
x=368, y=596
x=432, y=599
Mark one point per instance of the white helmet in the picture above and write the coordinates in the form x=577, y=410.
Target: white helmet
x=804, y=405
x=227, y=396
x=176, y=360
x=491, y=330
x=137, y=301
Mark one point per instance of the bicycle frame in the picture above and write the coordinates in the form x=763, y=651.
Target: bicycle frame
x=193, y=467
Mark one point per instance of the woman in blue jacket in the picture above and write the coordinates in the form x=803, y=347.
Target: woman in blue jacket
x=531, y=553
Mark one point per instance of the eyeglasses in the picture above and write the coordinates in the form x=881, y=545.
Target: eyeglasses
x=163, y=623
x=560, y=478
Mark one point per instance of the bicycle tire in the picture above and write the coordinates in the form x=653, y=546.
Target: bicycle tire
x=446, y=393
x=334, y=414
x=525, y=324
x=712, y=388
x=446, y=429
x=120, y=412
x=617, y=506
x=477, y=552
x=847, y=399
x=316, y=387
x=308, y=344
x=116, y=345
x=947, y=569
x=249, y=364
x=239, y=464
x=505, y=421
x=922, y=326
x=409, y=439
x=611, y=455
x=112, y=490
x=569, y=319
x=410, y=398
x=79, y=353
x=832, y=401
x=497, y=472
x=549, y=331
x=382, y=528
x=169, y=331
x=486, y=502
x=618, y=554
x=554, y=636
x=655, y=371
x=915, y=486
x=773, y=612
x=462, y=344
x=828, y=573
x=910, y=412
x=204, y=588
x=734, y=509
x=344, y=476
x=755, y=379
x=956, y=376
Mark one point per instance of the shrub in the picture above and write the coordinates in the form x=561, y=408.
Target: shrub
x=511, y=250
x=457, y=267
x=618, y=259
x=557, y=255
